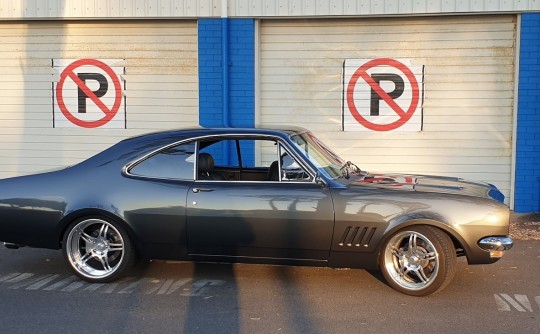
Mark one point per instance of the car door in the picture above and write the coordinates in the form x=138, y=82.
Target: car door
x=157, y=209
x=286, y=218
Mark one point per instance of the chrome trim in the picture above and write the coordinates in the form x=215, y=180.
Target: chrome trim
x=289, y=149
x=496, y=243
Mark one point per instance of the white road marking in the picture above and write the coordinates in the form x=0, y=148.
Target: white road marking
x=73, y=286
x=177, y=285
x=19, y=278
x=41, y=283
x=166, y=285
x=200, y=287
x=8, y=276
x=520, y=303
x=187, y=287
x=93, y=286
x=23, y=283
x=60, y=284
x=133, y=286
x=109, y=288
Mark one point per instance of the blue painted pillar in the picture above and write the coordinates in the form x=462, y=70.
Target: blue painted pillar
x=240, y=69
x=232, y=74
x=527, y=185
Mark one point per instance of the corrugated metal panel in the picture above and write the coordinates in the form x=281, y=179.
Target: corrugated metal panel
x=91, y=9
x=469, y=68
x=161, y=86
x=282, y=8
x=16, y=9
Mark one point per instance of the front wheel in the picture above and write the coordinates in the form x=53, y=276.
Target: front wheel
x=418, y=260
x=97, y=250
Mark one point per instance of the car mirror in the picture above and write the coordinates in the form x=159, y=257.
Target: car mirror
x=320, y=180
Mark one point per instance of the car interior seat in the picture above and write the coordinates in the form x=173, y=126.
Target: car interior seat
x=273, y=172
x=206, y=168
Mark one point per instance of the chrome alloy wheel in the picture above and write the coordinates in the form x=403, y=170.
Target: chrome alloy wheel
x=411, y=260
x=95, y=249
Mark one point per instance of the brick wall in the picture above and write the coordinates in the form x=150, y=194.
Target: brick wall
x=527, y=186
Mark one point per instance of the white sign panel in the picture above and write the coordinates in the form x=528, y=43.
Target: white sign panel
x=89, y=94
x=382, y=94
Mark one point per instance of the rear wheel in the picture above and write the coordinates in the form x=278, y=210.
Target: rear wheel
x=98, y=250
x=418, y=260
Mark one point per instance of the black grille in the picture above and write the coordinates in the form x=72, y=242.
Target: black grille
x=357, y=236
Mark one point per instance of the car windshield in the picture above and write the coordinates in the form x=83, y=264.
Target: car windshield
x=321, y=156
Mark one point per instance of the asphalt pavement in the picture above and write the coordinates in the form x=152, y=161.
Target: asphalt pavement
x=38, y=294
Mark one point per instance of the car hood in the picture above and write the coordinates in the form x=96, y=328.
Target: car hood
x=429, y=183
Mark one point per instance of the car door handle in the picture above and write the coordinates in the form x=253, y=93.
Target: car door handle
x=197, y=190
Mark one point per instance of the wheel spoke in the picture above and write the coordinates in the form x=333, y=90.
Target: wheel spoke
x=412, y=242
x=116, y=247
x=86, y=238
x=103, y=231
x=428, y=256
x=397, y=252
x=421, y=274
x=82, y=261
x=105, y=262
x=403, y=271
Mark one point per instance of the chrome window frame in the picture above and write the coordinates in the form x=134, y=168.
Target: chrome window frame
x=255, y=136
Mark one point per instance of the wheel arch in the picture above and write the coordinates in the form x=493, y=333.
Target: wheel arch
x=437, y=222
x=95, y=213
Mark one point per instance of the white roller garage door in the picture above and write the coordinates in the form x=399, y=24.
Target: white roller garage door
x=468, y=87
x=161, y=85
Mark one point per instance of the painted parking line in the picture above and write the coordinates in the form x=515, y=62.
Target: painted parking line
x=188, y=287
x=517, y=302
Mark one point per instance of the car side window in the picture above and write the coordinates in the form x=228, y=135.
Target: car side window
x=177, y=162
x=247, y=159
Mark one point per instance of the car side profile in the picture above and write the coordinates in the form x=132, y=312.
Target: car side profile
x=271, y=196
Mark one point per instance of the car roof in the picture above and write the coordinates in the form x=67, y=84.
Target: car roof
x=184, y=133
x=137, y=146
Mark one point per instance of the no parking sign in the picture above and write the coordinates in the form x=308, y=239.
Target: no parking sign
x=382, y=94
x=89, y=94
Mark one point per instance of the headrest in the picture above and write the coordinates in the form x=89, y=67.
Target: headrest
x=206, y=162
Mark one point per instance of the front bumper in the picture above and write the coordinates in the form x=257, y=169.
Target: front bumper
x=496, y=246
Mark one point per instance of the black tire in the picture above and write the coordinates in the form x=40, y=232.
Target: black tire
x=97, y=249
x=418, y=260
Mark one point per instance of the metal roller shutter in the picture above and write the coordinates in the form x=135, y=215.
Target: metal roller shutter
x=161, y=85
x=468, y=87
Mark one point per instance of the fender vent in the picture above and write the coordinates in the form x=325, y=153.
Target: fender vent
x=357, y=236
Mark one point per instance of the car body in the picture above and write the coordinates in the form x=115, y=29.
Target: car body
x=276, y=196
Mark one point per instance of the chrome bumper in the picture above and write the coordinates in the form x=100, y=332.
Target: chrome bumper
x=496, y=245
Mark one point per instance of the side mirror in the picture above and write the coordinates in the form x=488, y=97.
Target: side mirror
x=320, y=180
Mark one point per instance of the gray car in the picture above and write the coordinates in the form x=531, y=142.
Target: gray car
x=273, y=196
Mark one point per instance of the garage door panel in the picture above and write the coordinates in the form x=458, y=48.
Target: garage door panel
x=468, y=89
x=161, y=85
